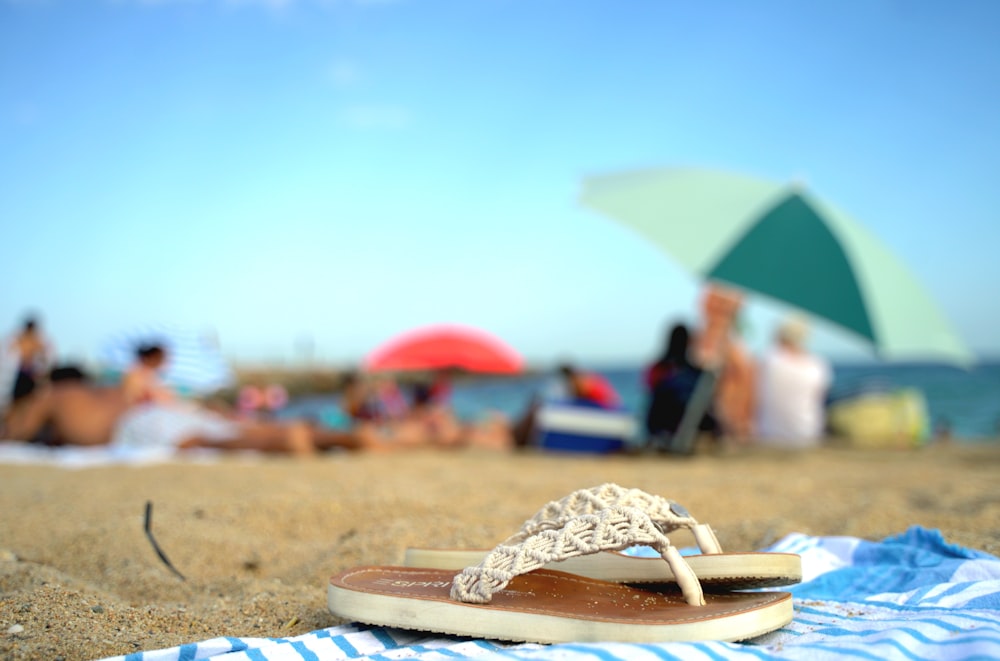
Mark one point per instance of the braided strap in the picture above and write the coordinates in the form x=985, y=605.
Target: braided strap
x=611, y=529
x=667, y=514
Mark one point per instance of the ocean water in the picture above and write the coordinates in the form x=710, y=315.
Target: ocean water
x=967, y=401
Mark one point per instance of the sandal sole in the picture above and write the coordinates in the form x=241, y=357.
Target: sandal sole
x=551, y=607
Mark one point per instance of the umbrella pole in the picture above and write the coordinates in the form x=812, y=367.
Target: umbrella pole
x=697, y=407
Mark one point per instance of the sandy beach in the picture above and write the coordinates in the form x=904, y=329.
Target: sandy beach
x=256, y=538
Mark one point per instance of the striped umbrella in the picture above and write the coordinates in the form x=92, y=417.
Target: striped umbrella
x=195, y=364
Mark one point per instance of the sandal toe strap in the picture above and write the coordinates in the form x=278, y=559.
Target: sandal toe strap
x=668, y=514
x=612, y=529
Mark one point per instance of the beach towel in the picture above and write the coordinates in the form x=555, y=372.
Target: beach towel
x=912, y=596
x=79, y=457
x=165, y=426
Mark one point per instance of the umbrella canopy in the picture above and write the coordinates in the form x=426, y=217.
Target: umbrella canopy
x=781, y=241
x=445, y=346
x=195, y=364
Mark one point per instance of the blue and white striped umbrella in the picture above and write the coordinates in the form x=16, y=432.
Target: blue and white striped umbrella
x=195, y=364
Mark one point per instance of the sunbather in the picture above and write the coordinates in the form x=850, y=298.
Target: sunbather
x=75, y=412
x=426, y=423
x=142, y=383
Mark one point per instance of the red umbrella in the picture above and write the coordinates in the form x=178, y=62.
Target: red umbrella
x=445, y=346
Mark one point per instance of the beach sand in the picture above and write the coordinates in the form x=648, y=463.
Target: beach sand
x=257, y=538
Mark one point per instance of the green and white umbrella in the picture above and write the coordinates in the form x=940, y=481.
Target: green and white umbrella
x=780, y=241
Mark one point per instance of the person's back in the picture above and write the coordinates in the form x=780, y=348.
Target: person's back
x=68, y=411
x=84, y=414
x=792, y=390
x=669, y=394
x=670, y=382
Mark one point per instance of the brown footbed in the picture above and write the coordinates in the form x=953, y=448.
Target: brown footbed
x=547, y=592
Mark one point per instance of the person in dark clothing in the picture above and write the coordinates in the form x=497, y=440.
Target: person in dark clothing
x=670, y=383
x=33, y=355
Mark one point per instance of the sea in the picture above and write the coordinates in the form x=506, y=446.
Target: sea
x=966, y=402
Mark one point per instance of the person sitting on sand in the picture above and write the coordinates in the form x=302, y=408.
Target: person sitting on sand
x=438, y=389
x=429, y=409
x=142, y=383
x=589, y=388
x=717, y=348
x=358, y=412
x=670, y=382
x=33, y=354
x=423, y=423
x=430, y=421
x=389, y=399
x=356, y=400
x=579, y=388
x=792, y=390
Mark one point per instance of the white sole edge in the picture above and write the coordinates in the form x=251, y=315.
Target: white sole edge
x=454, y=618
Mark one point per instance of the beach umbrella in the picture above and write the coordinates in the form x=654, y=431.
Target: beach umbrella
x=781, y=241
x=445, y=346
x=195, y=364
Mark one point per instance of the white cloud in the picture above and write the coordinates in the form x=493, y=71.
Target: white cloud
x=377, y=117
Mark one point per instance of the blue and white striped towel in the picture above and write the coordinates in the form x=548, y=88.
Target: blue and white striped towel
x=912, y=596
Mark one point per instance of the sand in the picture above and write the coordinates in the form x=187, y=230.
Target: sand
x=257, y=538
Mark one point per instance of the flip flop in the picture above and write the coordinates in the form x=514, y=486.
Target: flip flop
x=507, y=596
x=715, y=570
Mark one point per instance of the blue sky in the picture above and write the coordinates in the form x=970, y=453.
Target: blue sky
x=336, y=172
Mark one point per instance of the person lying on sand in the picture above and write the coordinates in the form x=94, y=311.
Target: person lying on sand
x=425, y=422
x=72, y=411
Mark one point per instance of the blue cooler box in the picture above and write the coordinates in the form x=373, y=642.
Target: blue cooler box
x=581, y=428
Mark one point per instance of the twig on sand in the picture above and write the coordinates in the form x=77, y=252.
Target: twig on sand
x=148, y=527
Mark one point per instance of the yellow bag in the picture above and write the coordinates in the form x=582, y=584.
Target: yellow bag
x=882, y=420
